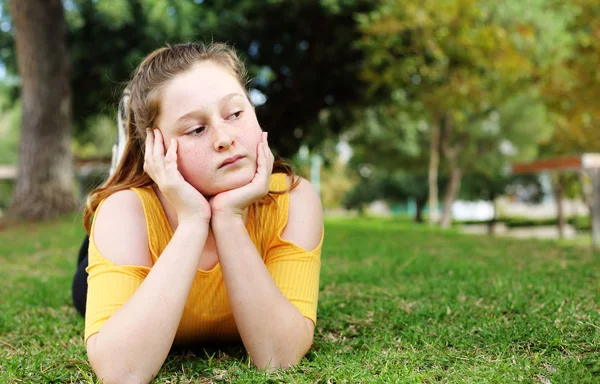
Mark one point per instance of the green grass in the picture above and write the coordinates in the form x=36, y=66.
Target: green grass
x=398, y=303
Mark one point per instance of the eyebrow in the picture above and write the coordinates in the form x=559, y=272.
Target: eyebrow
x=188, y=115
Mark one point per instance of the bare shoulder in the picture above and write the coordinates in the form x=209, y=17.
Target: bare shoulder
x=120, y=233
x=305, y=217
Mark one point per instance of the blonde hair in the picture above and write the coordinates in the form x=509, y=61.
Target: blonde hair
x=143, y=108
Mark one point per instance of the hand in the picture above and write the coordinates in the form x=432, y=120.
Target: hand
x=187, y=201
x=235, y=201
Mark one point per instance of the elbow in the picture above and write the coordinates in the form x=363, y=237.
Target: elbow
x=120, y=378
x=119, y=375
x=109, y=371
x=284, y=357
x=275, y=362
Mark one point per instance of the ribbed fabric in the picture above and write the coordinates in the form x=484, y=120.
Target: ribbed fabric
x=207, y=314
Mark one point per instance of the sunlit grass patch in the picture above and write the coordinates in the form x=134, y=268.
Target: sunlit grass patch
x=398, y=303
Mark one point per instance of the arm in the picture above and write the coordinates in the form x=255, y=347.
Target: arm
x=134, y=342
x=273, y=330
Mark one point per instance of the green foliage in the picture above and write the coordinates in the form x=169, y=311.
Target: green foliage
x=507, y=135
x=489, y=186
x=389, y=143
x=474, y=67
x=97, y=141
x=572, y=85
x=389, y=135
x=300, y=55
x=10, y=121
x=364, y=192
x=6, y=193
x=447, y=308
x=395, y=187
x=7, y=49
x=459, y=57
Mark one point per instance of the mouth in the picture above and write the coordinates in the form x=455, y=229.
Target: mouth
x=231, y=161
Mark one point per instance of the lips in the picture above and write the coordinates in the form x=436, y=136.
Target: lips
x=231, y=160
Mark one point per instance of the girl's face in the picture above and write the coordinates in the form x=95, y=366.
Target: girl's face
x=206, y=110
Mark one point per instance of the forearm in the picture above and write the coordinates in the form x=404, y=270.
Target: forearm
x=137, y=338
x=272, y=329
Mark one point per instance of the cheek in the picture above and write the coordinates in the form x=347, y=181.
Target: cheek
x=251, y=138
x=191, y=160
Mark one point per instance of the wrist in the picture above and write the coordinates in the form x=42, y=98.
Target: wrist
x=194, y=224
x=194, y=217
x=226, y=220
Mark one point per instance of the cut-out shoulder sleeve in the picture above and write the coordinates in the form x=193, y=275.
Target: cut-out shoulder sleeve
x=109, y=286
x=294, y=269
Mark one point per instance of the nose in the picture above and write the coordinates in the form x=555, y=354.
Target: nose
x=222, y=139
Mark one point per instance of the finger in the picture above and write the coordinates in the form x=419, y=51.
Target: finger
x=260, y=157
x=171, y=156
x=262, y=170
x=268, y=154
x=148, y=150
x=149, y=143
x=265, y=151
x=159, y=148
x=266, y=142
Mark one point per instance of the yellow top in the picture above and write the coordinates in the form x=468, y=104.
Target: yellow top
x=207, y=314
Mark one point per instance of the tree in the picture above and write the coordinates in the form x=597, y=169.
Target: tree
x=300, y=55
x=305, y=51
x=44, y=186
x=391, y=141
x=571, y=88
x=445, y=55
x=511, y=132
x=462, y=60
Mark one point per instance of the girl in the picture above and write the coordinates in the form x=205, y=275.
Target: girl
x=198, y=235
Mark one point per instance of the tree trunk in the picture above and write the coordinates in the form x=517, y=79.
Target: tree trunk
x=558, y=192
x=44, y=185
x=434, y=164
x=451, y=193
x=419, y=213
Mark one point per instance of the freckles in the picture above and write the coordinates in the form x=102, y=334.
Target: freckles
x=193, y=158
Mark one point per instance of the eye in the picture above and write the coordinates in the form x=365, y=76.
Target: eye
x=235, y=115
x=197, y=130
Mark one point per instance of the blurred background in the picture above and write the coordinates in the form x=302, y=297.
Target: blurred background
x=422, y=110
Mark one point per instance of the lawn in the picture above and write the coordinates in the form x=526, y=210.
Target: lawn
x=398, y=303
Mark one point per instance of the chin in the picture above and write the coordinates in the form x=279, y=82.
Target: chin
x=239, y=180
x=234, y=181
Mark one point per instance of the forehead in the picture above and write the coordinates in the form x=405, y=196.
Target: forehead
x=201, y=87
